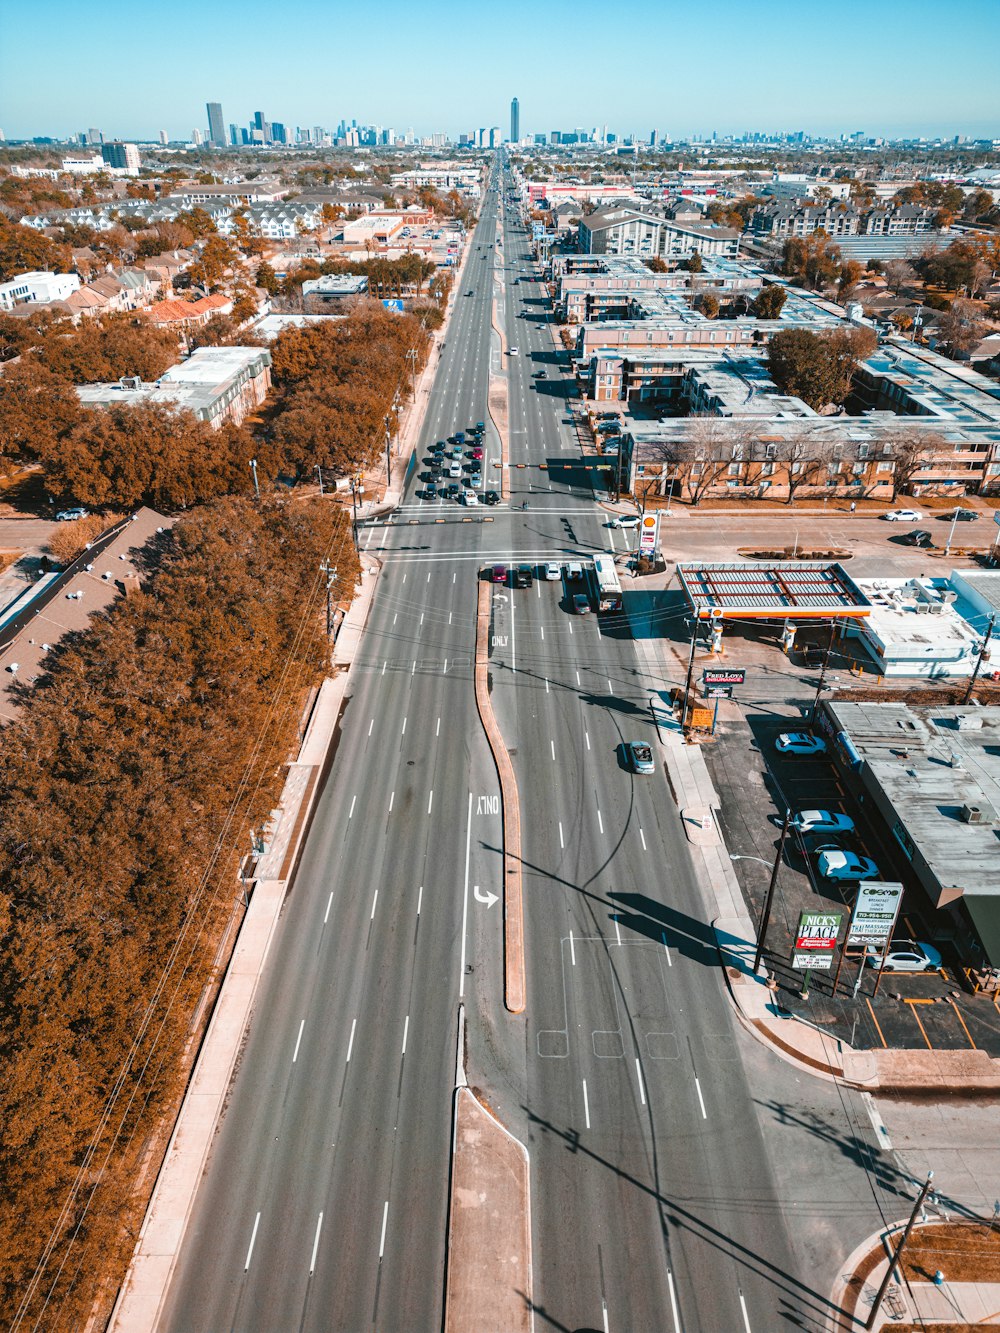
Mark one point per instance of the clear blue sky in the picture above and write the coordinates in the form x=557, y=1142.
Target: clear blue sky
x=884, y=66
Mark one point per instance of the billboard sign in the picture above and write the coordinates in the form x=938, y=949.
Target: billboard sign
x=723, y=676
x=393, y=304
x=875, y=912
x=649, y=532
x=718, y=691
x=816, y=939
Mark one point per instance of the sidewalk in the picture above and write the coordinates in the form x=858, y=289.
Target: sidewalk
x=797, y=1041
x=154, y=1258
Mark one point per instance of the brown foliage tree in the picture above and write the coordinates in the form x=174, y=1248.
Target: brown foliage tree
x=818, y=367
x=108, y=347
x=37, y=408
x=22, y=249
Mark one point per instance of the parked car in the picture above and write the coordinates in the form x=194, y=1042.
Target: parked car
x=640, y=757
x=551, y=570
x=499, y=574
x=581, y=603
x=902, y=516
x=821, y=821
x=70, y=515
x=800, y=742
x=960, y=516
x=846, y=865
x=905, y=956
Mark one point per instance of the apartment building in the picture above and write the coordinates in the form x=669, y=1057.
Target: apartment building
x=627, y=231
x=217, y=384
x=781, y=220
x=38, y=287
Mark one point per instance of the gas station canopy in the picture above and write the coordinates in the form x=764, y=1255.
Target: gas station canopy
x=791, y=590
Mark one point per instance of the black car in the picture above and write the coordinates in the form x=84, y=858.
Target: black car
x=961, y=516
x=523, y=577
x=491, y=498
x=918, y=537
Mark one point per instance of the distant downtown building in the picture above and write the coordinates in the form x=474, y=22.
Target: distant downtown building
x=515, y=121
x=216, y=125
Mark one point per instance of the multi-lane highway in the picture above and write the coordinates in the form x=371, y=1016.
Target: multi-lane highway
x=661, y=1142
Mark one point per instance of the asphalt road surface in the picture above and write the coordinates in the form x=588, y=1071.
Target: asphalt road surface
x=681, y=1177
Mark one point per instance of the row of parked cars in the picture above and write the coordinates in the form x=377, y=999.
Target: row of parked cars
x=820, y=837
x=523, y=576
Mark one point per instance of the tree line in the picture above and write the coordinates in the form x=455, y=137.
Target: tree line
x=154, y=744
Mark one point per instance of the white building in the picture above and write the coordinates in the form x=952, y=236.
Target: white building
x=37, y=286
x=913, y=629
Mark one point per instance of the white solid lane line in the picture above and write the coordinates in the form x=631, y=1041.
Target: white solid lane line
x=385, y=1218
x=406, y=1028
x=586, y=1104
x=403, y=732
x=370, y=725
x=552, y=745
x=253, y=1237
x=666, y=948
x=374, y=901
x=353, y=801
x=746, y=1317
x=642, y=1086
x=430, y=801
x=701, y=1099
x=561, y=843
x=465, y=898
x=673, y=1302
x=298, y=1041
x=329, y=904
x=319, y=1228
x=643, y=837
x=572, y=950
x=586, y=737
x=350, y=1044
x=600, y=821
x=618, y=931
x=392, y=797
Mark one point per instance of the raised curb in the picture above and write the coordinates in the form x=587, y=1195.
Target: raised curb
x=515, y=986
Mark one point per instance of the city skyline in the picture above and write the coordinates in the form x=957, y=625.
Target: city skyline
x=759, y=71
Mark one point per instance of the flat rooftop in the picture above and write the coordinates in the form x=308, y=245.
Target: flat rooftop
x=930, y=762
x=804, y=589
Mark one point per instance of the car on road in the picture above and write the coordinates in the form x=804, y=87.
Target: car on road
x=499, y=574
x=70, y=515
x=905, y=956
x=469, y=292
x=512, y=351
x=491, y=498
x=460, y=438
x=430, y=491
x=581, y=603
x=574, y=570
x=846, y=865
x=821, y=821
x=454, y=489
x=800, y=742
x=476, y=479
x=455, y=469
x=471, y=499
x=640, y=757
x=477, y=453
x=523, y=577
x=551, y=570
x=902, y=516
x=960, y=516
x=625, y=521
x=480, y=427
x=439, y=448
x=917, y=537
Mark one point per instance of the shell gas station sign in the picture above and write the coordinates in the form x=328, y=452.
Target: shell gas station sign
x=649, y=533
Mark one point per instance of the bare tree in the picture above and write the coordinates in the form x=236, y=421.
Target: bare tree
x=711, y=446
x=804, y=457
x=961, y=326
x=909, y=448
x=897, y=273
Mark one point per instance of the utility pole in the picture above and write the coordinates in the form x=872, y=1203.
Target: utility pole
x=765, y=915
x=331, y=577
x=894, y=1261
x=979, y=660
x=388, y=457
x=354, y=501
x=690, y=672
x=823, y=669
x=253, y=468
x=951, y=530
x=319, y=473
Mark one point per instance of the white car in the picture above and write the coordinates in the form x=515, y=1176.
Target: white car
x=821, y=821
x=903, y=516
x=512, y=351
x=800, y=742
x=471, y=499
x=846, y=865
x=625, y=521
x=552, y=570
x=905, y=956
x=70, y=515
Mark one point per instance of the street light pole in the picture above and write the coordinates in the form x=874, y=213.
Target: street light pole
x=951, y=530
x=331, y=578
x=690, y=672
x=319, y=473
x=897, y=1254
x=765, y=915
x=822, y=674
x=253, y=468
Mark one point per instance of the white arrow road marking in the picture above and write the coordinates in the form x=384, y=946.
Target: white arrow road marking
x=488, y=898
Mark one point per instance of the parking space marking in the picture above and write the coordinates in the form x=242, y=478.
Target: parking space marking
x=958, y=1015
x=875, y=1021
x=913, y=1011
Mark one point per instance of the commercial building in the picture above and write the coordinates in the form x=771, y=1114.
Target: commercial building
x=121, y=157
x=914, y=629
x=37, y=286
x=515, y=121
x=217, y=384
x=932, y=774
x=216, y=124
x=334, y=287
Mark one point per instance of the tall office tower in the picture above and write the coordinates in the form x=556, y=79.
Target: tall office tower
x=495, y=139
x=216, y=124
x=122, y=156
x=95, y=136
x=163, y=137
x=654, y=138
x=261, y=128
x=197, y=138
x=278, y=134
x=515, y=121
x=234, y=135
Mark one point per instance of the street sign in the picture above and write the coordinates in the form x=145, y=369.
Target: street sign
x=723, y=676
x=812, y=962
x=875, y=912
x=718, y=691
x=649, y=531
x=818, y=932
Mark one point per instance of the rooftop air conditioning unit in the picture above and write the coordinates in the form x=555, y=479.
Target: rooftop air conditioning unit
x=131, y=381
x=976, y=814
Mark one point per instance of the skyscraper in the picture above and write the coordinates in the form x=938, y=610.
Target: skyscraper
x=515, y=121
x=216, y=125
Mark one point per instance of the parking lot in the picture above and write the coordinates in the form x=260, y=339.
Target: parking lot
x=930, y=1010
